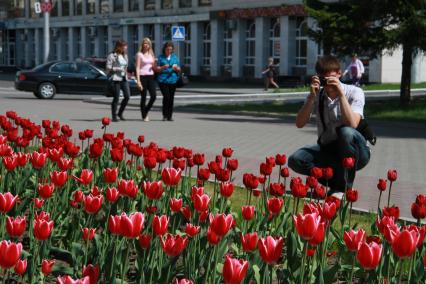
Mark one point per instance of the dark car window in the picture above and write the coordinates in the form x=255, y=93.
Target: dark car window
x=63, y=68
x=84, y=68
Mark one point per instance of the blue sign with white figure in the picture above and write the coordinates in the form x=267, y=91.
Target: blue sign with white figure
x=178, y=33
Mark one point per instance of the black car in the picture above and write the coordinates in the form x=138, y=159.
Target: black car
x=69, y=77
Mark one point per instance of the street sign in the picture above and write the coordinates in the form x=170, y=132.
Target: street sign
x=37, y=7
x=178, y=33
x=43, y=7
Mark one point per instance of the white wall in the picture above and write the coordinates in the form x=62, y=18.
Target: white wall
x=391, y=66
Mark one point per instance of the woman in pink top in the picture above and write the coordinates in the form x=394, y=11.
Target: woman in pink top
x=145, y=68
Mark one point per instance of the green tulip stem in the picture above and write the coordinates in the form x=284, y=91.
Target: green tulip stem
x=6, y=275
x=302, y=273
x=378, y=204
x=351, y=276
x=350, y=215
x=400, y=271
x=411, y=266
x=389, y=195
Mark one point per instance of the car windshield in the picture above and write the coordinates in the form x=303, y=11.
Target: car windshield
x=39, y=67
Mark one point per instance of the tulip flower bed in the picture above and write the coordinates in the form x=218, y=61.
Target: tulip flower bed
x=113, y=210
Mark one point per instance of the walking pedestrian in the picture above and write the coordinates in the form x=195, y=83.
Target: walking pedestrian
x=169, y=69
x=355, y=69
x=270, y=72
x=116, y=65
x=145, y=66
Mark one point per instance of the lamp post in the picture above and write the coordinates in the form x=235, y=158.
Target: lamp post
x=45, y=7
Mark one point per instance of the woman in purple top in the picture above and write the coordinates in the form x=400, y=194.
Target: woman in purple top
x=145, y=68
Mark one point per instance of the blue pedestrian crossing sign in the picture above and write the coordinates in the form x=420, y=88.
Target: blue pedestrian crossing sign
x=178, y=33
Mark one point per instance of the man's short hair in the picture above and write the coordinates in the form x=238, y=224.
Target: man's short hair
x=326, y=64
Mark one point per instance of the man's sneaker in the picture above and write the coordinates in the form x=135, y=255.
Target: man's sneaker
x=338, y=195
x=146, y=119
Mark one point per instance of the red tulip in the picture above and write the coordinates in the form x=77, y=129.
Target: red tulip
x=307, y=225
x=391, y=211
x=45, y=190
x=232, y=165
x=182, y=281
x=175, y=204
x=319, y=192
x=247, y=212
x=354, y=238
x=392, y=175
x=249, y=241
x=38, y=160
x=348, y=162
x=110, y=175
x=424, y=260
x=21, y=267
x=270, y=249
x=10, y=163
x=5, y=150
x=192, y=230
x=66, y=279
x=144, y=241
x=275, y=205
x=127, y=188
x=55, y=154
x=65, y=164
x=199, y=159
x=42, y=227
x=38, y=203
x=10, y=253
x=96, y=149
x=92, y=204
x=16, y=226
x=112, y=194
x=141, y=138
x=46, y=266
x=58, y=178
x=284, y=172
x=153, y=190
x=150, y=162
x=250, y=181
x=212, y=237
x=418, y=211
x=221, y=223
x=227, y=152
x=160, y=224
x=234, y=270
x=276, y=189
x=265, y=169
x=171, y=176
x=203, y=174
x=311, y=181
x=201, y=202
x=319, y=235
x=352, y=195
x=280, y=159
x=85, y=178
x=226, y=189
x=132, y=225
x=173, y=245
x=117, y=154
x=22, y=159
x=88, y=233
x=92, y=272
x=405, y=243
x=7, y=201
x=381, y=185
x=106, y=121
x=298, y=189
x=369, y=255
x=114, y=224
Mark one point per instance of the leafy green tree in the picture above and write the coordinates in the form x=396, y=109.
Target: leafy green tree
x=370, y=27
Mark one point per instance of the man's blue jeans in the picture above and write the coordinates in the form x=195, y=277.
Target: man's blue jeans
x=350, y=143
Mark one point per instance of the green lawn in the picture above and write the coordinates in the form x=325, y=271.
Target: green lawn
x=370, y=87
x=376, y=110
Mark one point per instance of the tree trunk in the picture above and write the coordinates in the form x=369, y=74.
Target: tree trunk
x=407, y=62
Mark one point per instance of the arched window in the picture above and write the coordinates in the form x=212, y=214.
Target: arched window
x=301, y=42
x=206, y=44
x=187, y=45
x=274, y=40
x=151, y=35
x=250, y=42
x=227, y=46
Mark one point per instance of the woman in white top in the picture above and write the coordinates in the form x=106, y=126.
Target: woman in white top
x=116, y=66
x=355, y=69
x=145, y=68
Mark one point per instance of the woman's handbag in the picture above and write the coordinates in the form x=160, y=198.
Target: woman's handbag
x=182, y=80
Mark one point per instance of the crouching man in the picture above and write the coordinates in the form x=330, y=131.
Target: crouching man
x=339, y=109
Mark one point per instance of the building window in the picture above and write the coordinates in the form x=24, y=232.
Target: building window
x=227, y=47
x=135, y=39
x=78, y=42
x=105, y=41
x=167, y=4
x=151, y=35
x=187, y=45
x=118, y=5
x=204, y=2
x=16, y=9
x=104, y=7
x=250, y=42
x=301, y=42
x=185, y=3
x=149, y=4
x=90, y=7
x=274, y=40
x=65, y=7
x=206, y=44
x=78, y=7
x=33, y=14
x=133, y=5
x=167, y=32
x=91, y=52
x=54, y=12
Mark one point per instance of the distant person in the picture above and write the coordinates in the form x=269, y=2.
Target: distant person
x=145, y=66
x=339, y=109
x=355, y=69
x=270, y=72
x=168, y=66
x=116, y=65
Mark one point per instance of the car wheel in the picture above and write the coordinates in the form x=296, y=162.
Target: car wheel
x=36, y=95
x=46, y=90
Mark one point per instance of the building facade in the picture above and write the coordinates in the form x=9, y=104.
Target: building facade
x=224, y=39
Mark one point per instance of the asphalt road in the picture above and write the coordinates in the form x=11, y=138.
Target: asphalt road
x=400, y=145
